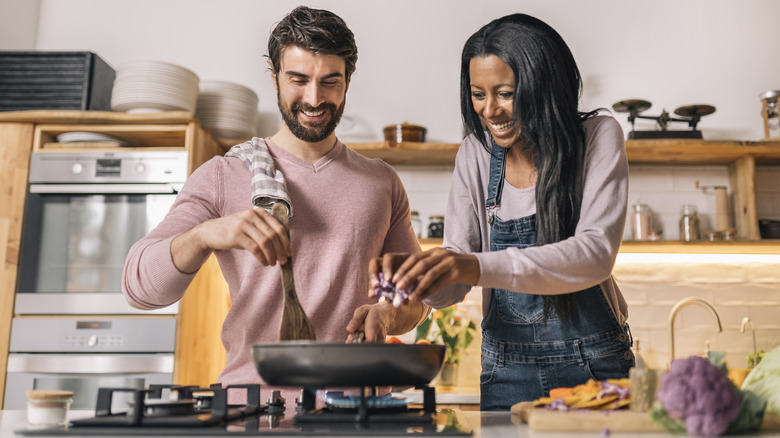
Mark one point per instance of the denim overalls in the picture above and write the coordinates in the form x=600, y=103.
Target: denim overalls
x=524, y=357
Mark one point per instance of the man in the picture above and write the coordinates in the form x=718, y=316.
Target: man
x=346, y=210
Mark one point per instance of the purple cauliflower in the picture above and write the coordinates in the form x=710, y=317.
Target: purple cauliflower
x=699, y=394
x=388, y=290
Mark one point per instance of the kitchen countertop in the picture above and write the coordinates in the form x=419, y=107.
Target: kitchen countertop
x=485, y=424
x=449, y=395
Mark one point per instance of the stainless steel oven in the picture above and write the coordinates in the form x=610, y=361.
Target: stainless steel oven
x=84, y=210
x=81, y=354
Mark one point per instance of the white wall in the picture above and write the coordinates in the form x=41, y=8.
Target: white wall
x=19, y=24
x=670, y=52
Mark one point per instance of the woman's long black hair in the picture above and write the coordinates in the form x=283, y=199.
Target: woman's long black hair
x=546, y=107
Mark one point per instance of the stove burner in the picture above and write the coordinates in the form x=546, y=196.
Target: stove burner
x=160, y=408
x=337, y=399
x=276, y=403
x=199, y=411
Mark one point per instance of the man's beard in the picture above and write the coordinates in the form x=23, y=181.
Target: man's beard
x=312, y=132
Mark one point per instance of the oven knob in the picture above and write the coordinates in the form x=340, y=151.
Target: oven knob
x=92, y=340
x=77, y=168
x=140, y=168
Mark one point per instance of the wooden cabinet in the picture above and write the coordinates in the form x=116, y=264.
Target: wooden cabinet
x=199, y=354
x=741, y=157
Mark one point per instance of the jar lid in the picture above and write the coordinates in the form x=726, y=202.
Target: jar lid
x=48, y=394
x=771, y=94
x=414, y=213
x=441, y=218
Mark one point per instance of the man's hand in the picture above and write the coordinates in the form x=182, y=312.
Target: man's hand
x=376, y=321
x=254, y=230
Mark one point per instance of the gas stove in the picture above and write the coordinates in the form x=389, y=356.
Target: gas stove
x=189, y=410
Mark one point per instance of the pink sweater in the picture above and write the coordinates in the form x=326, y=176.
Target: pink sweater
x=348, y=209
x=579, y=262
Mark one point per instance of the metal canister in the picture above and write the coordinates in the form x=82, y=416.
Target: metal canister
x=436, y=227
x=770, y=113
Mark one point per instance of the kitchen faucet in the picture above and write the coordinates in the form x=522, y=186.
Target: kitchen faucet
x=747, y=321
x=683, y=303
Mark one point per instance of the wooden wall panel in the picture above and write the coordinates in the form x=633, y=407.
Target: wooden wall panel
x=15, y=144
x=742, y=179
x=200, y=356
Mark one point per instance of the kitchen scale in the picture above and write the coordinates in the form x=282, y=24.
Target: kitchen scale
x=690, y=114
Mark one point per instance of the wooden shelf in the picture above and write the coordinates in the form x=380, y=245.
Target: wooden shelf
x=681, y=151
x=664, y=151
x=95, y=117
x=766, y=246
x=409, y=153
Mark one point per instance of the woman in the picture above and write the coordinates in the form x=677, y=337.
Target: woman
x=535, y=216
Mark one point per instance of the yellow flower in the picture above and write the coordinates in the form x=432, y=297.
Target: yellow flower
x=447, y=326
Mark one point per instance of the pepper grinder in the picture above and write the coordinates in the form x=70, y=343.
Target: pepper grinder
x=722, y=220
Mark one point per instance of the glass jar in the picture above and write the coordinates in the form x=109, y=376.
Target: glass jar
x=640, y=221
x=436, y=227
x=689, y=223
x=416, y=223
x=48, y=408
x=770, y=113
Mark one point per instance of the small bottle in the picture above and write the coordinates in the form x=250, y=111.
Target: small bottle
x=689, y=223
x=640, y=221
x=436, y=227
x=416, y=223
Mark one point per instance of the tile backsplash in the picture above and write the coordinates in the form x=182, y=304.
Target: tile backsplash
x=739, y=286
x=664, y=188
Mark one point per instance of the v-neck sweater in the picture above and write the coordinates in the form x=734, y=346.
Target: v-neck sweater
x=347, y=210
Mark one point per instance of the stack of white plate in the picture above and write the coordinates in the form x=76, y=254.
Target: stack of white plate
x=90, y=137
x=227, y=110
x=147, y=86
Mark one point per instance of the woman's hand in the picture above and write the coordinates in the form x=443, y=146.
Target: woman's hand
x=388, y=263
x=433, y=269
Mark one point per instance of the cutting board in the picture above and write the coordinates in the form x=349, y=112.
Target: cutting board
x=542, y=420
x=619, y=421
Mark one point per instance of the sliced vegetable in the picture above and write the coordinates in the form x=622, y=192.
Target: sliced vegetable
x=560, y=392
x=388, y=290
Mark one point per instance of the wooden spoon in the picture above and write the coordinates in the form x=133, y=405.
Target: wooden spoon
x=294, y=324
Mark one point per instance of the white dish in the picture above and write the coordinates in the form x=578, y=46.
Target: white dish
x=81, y=136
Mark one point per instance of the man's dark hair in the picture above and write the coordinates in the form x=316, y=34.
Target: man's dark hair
x=317, y=30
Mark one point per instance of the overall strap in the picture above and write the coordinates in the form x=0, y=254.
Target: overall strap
x=495, y=180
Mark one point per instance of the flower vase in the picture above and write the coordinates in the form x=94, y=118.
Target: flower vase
x=448, y=376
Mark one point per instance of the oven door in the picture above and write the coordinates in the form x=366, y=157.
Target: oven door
x=84, y=374
x=75, y=241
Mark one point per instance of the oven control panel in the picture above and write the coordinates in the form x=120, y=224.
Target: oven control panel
x=109, y=167
x=93, y=334
x=92, y=341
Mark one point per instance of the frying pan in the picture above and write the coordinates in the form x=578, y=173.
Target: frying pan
x=309, y=364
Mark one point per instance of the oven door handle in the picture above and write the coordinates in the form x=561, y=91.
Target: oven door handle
x=97, y=189
x=81, y=363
